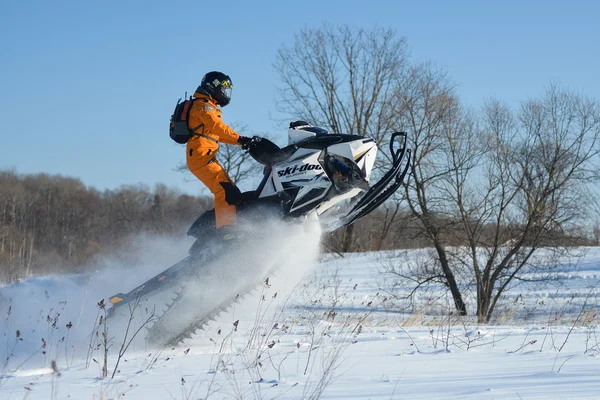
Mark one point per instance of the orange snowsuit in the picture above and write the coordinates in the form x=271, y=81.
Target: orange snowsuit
x=201, y=152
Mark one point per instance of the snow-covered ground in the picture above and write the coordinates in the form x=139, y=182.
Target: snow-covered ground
x=325, y=328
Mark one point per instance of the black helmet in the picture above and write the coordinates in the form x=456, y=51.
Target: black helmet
x=218, y=86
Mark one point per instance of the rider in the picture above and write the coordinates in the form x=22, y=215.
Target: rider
x=213, y=93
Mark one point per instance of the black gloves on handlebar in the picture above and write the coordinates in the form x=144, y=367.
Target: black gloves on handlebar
x=247, y=141
x=244, y=140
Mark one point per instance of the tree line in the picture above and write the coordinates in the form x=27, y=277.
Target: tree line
x=52, y=223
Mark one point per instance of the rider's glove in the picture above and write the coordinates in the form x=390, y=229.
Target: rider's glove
x=244, y=140
x=247, y=142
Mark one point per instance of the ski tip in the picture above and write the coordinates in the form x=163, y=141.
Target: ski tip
x=117, y=298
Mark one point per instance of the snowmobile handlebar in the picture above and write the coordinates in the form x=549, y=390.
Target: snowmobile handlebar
x=265, y=151
x=254, y=140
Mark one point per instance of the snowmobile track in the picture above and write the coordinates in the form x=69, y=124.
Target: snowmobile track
x=155, y=332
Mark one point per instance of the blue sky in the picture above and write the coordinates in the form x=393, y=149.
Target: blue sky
x=87, y=87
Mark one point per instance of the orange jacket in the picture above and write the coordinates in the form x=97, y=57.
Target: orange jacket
x=206, y=115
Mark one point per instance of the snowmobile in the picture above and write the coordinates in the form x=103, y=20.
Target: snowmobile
x=318, y=175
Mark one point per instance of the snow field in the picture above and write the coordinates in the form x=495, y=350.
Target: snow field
x=337, y=332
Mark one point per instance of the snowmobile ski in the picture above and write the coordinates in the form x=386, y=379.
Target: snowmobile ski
x=382, y=190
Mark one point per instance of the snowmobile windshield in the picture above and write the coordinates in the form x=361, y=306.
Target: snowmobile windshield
x=316, y=130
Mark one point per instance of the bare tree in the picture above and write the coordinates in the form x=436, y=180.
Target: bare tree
x=502, y=191
x=431, y=114
x=342, y=79
x=538, y=181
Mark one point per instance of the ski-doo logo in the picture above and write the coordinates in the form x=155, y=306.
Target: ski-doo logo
x=298, y=168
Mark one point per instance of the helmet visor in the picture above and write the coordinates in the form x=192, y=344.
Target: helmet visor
x=226, y=93
x=226, y=89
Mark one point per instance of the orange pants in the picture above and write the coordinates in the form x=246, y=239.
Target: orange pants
x=212, y=174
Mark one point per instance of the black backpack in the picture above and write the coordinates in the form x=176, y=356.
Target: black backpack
x=178, y=128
